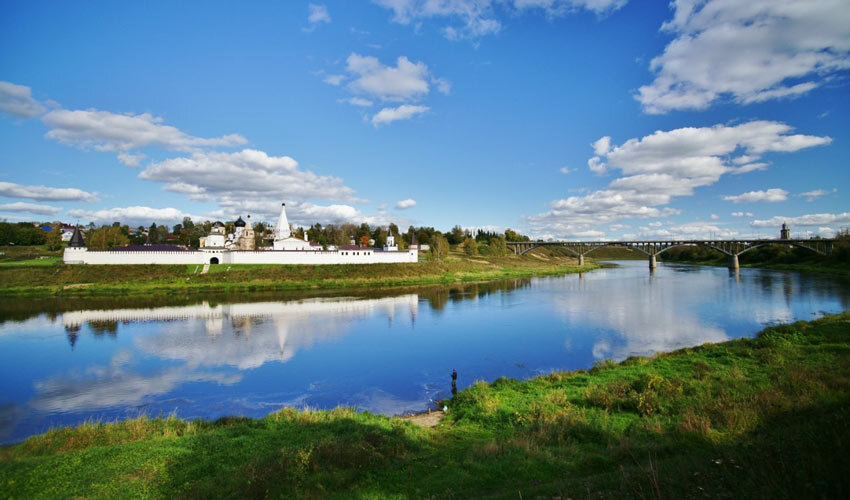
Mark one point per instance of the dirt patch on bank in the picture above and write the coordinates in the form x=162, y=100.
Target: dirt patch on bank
x=426, y=419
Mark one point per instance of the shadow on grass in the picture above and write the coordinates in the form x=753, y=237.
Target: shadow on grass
x=293, y=454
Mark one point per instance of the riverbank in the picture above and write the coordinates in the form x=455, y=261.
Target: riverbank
x=38, y=279
x=763, y=417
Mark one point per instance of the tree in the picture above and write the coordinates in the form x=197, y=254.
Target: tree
x=380, y=237
x=456, y=236
x=364, y=240
x=470, y=246
x=439, y=247
x=153, y=234
x=106, y=238
x=54, y=237
x=498, y=246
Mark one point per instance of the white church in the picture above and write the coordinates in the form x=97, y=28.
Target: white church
x=239, y=248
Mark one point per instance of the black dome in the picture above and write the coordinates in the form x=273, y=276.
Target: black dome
x=239, y=222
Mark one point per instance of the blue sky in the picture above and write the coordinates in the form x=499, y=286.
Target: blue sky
x=573, y=119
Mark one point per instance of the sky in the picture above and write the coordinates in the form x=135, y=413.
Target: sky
x=564, y=119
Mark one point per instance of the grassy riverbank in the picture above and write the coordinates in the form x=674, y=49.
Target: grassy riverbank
x=39, y=277
x=766, y=417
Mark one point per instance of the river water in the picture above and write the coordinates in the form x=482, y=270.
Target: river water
x=63, y=362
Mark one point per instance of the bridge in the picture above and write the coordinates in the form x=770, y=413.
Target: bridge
x=652, y=249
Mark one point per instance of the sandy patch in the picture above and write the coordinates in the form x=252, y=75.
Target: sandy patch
x=427, y=419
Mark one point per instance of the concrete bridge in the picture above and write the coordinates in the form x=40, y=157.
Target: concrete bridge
x=652, y=249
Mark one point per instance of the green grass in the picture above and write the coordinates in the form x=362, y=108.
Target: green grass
x=767, y=417
x=37, y=262
x=24, y=278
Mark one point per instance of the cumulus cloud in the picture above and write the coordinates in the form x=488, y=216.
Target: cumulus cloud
x=229, y=178
x=565, y=170
x=404, y=81
x=130, y=159
x=318, y=14
x=133, y=216
x=407, y=82
x=815, y=194
x=664, y=165
x=472, y=19
x=810, y=220
x=44, y=193
x=359, y=101
x=771, y=195
x=747, y=51
x=688, y=231
x=403, y=112
x=334, y=79
x=107, y=131
x=30, y=208
x=743, y=214
x=17, y=100
x=404, y=204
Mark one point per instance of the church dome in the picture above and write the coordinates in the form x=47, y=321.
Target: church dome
x=239, y=222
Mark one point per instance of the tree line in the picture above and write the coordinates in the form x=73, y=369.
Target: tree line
x=188, y=233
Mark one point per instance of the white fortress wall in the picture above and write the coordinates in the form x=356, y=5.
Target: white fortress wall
x=366, y=256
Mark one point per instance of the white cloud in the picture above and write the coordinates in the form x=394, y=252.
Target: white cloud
x=359, y=101
x=30, y=208
x=565, y=170
x=602, y=146
x=130, y=159
x=743, y=214
x=477, y=18
x=815, y=194
x=771, y=195
x=231, y=178
x=404, y=204
x=714, y=216
x=405, y=81
x=334, y=79
x=403, y=112
x=318, y=14
x=810, y=220
x=443, y=86
x=688, y=231
x=750, y=167
x=17, y=100
x=597, y=166
x=747, y=51
x=664, y=165
x=133, y=216
x=44, y=193
x=106, y=131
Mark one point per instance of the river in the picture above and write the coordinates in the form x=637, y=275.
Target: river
x=63, y=362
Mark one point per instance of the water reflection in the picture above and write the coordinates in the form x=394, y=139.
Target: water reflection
x=64, y=361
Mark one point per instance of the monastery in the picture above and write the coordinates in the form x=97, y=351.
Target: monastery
x=239, y=248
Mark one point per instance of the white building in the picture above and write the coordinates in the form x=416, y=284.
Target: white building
x=238, y=248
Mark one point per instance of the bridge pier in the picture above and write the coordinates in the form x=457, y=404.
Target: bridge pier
x=733, y=261
x=581, y=260
x=652, y=262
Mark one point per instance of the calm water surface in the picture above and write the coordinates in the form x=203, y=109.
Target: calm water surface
x=62, y=363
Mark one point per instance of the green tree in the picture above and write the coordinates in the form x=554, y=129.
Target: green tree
x=380, y=237
x=54, y=237
x=456, y=236
x=439, y=247
x=470, y=246
x=498, y=246
x=106, y=238
x=153, y=234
